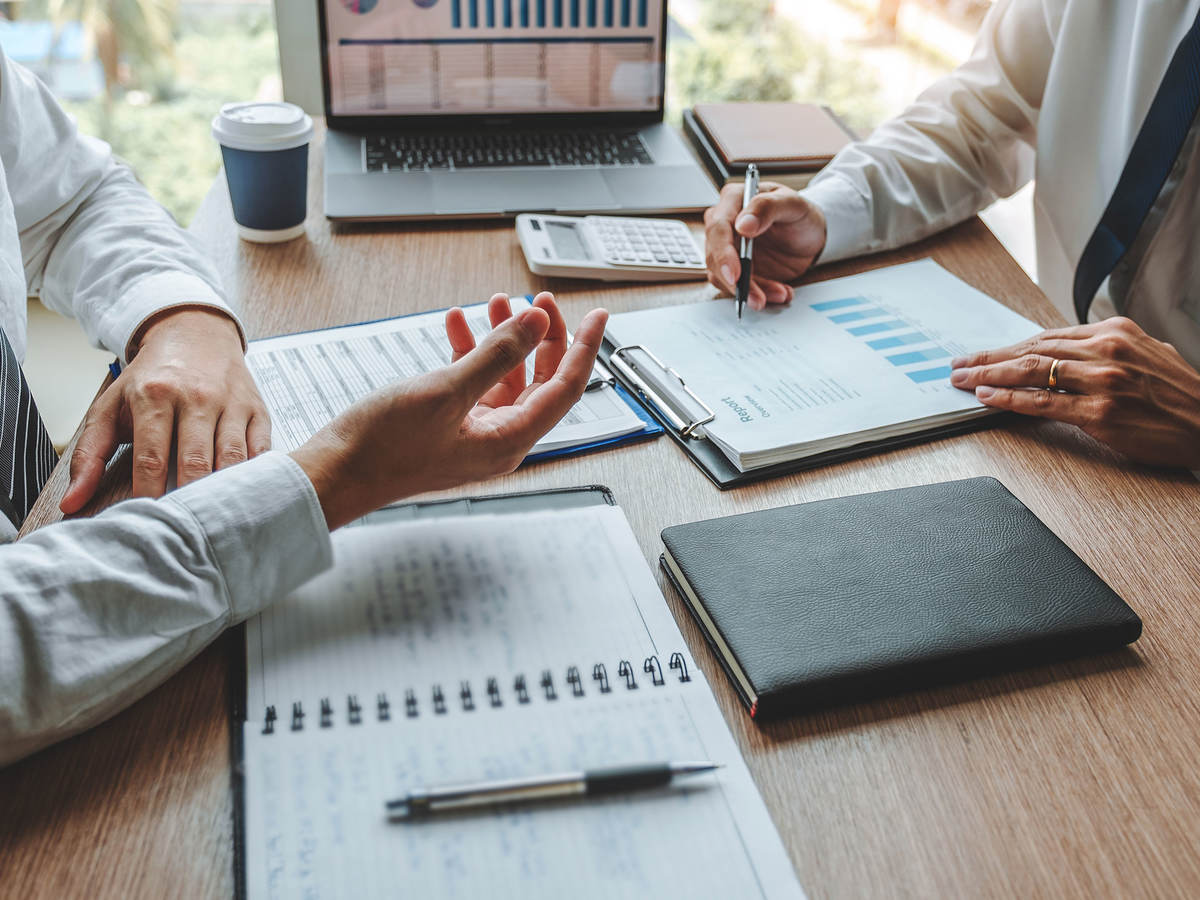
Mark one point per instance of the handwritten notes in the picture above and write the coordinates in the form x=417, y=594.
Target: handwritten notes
x=411, y=605
x=316, y=819
x=464, y=617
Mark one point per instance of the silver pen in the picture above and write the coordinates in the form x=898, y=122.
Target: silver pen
x=747, y=254
x=591, y=783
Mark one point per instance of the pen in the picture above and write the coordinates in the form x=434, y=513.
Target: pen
x=114, y=369
x=591, y=783
x=600, y=377
x=743, y=285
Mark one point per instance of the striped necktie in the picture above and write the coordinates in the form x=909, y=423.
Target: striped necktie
x=26, y=455
x=1154, y=152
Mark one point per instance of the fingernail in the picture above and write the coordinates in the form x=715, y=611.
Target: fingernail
x=747, y=222
x=958, y=362
x=727, y=274
x=958, y=377
x=983, y=392
x=525, y=320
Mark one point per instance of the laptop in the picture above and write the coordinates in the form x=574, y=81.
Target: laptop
x=488, y=108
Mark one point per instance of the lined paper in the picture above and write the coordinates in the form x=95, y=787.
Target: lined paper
x=318, y=829
x=410, y=605
x=451, y=603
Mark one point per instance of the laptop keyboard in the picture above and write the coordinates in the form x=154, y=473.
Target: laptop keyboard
x=426, y=152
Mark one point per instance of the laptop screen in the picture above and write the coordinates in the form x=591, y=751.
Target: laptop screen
x=463, y=57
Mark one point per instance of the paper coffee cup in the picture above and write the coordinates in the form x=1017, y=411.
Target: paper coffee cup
x=265, y=149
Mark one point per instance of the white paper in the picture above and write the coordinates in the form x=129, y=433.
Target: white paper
x=848, y=360
x=307, y=379
x=316, y=827
x=441, y=601
x=450, y=603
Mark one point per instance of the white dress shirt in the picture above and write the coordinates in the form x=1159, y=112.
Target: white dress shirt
x=94, y=613
x=1054, y=90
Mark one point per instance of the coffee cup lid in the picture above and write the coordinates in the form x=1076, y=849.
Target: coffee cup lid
x=262, y=126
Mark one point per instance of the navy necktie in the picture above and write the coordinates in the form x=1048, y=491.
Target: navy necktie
x=26, y=455
x=1154, y=152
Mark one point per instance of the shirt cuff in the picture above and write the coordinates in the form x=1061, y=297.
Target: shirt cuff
x=150, y=296
x=264, y=526
x=848, y=225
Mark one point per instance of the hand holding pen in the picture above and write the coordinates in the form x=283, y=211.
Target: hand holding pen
x=788, y=234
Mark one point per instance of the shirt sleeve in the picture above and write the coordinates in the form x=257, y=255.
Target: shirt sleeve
x=966, y=140
x=95, y=244
x=94, y=613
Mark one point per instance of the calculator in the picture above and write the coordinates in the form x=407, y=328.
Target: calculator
x=610, y=248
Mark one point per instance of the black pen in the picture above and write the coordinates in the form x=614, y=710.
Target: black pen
x=592, y=783
x=743, y=285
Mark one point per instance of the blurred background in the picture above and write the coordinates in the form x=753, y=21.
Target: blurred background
x=148, y=75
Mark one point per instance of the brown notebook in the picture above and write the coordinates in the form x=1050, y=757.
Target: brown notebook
x=786, y=136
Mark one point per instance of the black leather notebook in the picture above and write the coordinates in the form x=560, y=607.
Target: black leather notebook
x=840, y=600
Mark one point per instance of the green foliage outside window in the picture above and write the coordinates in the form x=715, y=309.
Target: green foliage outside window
x=743, y=50
x=161, y=128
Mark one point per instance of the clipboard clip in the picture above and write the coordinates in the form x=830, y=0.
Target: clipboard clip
x=658, y=385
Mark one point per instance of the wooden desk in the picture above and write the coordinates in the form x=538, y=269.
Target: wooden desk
x=1080, y=779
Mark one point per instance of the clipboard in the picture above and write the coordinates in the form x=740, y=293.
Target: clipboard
x=664, y=394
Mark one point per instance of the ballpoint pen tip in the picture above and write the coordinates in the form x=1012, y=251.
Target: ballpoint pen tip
x=695, y=768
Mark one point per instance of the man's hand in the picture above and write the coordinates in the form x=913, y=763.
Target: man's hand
x=471, y=420
x=1115, y=382
x=788, y=232
x=187, y=386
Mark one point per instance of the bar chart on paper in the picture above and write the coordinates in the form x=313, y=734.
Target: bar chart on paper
x=467, y=56
x=903, y=343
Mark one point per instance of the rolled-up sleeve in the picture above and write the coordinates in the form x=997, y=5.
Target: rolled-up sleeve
x=966, y=140
x=94, y=613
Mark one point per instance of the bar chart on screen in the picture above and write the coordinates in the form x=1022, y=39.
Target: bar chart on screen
x=394, y=57
x=525, y=14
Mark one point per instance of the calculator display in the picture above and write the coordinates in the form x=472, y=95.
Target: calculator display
x=567, y=244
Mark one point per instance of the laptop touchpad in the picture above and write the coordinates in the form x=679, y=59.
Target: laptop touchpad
x=485, y=191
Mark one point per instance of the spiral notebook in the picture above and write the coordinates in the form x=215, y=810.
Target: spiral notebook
x=482, y=640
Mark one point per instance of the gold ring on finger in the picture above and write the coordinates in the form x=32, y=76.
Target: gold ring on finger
x=1052, y=384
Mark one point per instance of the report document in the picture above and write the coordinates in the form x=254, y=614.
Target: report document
x=306, y=379
x=849, y=361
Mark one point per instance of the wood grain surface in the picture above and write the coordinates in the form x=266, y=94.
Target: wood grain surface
x=1081, y=779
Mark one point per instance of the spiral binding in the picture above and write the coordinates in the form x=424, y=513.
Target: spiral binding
x=522, y=692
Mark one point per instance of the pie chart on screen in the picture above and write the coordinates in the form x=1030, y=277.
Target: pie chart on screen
x=359, y=7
